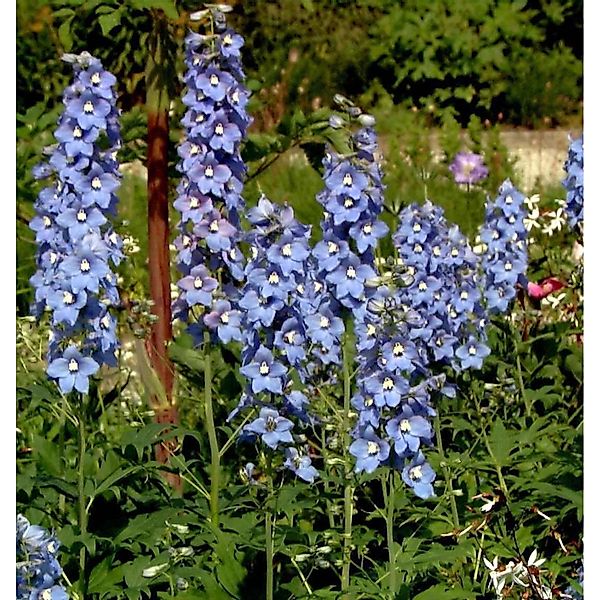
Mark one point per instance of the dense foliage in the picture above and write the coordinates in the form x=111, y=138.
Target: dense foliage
x=377, y=348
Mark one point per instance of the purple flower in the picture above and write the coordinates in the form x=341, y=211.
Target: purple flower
x=300, y=464
x=468, y=168
x=369, y=451
x=419, y=475
x=272, y=428
x=73, y=370
x=265, y=373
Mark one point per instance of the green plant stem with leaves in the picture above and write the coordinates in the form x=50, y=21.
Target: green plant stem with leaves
x=215, y=466
x=348, y=487
x=389, y=493
x=81, y=495
x=447, y=477
x=269, y=549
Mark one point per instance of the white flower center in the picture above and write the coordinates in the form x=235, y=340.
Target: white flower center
x=105, y=322
x=508, y=266
x=347, y=181
x=214, y=226
x=225, y=318
x=290, y=336
x=368, y=401
x=46, y=220
x=416, y=473
x=235, y=97
x=198, y=282
x=73, y=365
x=437, y=251
x=508, y=200
x=95, y=78
x=405, y=426
x=264, y=368
x=68, y=298
x=351, y=272
x=186, y=241
x=214, y=80
x=416, y=227
x=96, y=183
x=418, y=248
x=77, y=133
x=388, y=383
x=454, y=252
x=371, y=329
x=209, y=171
x=464, y=295
x=348, y=202
x=472, y=350
x=324, y=322
x=219, y=129
x=227, y=39
x=85, y=265
x=398, y=349
x=332, y=247
x=274, y=278
x=88, y=107
x=81, y=215
x=368, y=228
x=194, y=203
x=286, y=250
x=422, y=286
x=372, y=448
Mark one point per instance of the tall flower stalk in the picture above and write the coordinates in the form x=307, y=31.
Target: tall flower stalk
x=209, y=199
x=76, y=244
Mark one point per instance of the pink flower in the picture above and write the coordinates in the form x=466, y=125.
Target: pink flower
x=537, y=291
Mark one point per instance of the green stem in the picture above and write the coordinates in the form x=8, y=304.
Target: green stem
x=389, y=497
x=269, y=533
x=215, y=467
x=521, y=383
x=348, y=489
x=438, y=437
x=82, y=500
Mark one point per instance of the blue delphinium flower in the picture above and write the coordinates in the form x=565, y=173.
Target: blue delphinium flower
x=76, y=244
x=209, y=194
x=503, y=262
x=37, y=566
x=573, y=182
x=274, y=333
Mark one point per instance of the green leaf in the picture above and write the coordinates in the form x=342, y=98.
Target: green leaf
x=167, y=6
x=64, y=34
x=48, y=455
x=501, y=442
x=441, y=592
x=110, y=20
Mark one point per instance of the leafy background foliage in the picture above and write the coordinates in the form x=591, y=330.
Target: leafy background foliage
x=515, y=429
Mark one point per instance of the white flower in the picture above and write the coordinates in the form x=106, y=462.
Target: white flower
x=532, y=202
x=531, y=220
x=553, y=301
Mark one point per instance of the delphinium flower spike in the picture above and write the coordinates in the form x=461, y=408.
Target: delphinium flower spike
x=503, y=238
x=274, y=337
x=573, y=182
x=38, y=570
x=209, y=193
x=76, y=243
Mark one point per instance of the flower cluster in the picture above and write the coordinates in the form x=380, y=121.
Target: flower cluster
x=429, y=313
x=37, y=566
x=352, y=199
x=468, y=168
x=76, y=243
x=274, y=331
x=503, y=248
x=573, y=182
x=518, y=577
x=209, y=193
x=444, y=291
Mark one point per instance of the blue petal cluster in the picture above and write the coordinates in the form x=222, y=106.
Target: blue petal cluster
x=209, y=193
x=573, y=182
x=274, y=333
x=445, y=291
x=504, y=253
x=352, y=199
x=75, y=241
x=37, y=566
